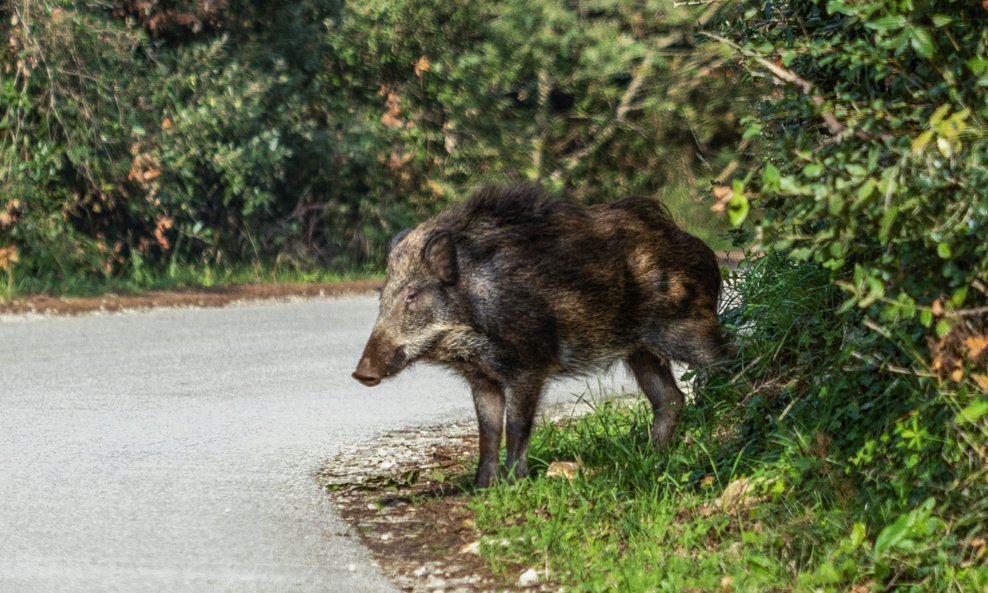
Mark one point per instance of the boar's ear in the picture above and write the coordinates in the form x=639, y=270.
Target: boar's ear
x=397, y=239
x=440, y=255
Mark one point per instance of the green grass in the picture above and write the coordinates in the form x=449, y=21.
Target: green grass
x=175, y=277
x=636, y=520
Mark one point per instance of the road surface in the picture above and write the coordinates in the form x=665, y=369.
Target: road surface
x=176, y=450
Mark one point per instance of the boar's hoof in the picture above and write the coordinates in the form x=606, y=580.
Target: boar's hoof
x=485, y=477
x=662, y=432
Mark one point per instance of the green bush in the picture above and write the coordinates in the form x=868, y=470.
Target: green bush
x=870, y=336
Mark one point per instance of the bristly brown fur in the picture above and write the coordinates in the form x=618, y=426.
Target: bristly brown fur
x=539, y=287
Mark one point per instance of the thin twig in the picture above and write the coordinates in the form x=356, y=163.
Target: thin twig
x=836, y=127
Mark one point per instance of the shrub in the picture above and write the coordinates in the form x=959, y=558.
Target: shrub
x=869, y=179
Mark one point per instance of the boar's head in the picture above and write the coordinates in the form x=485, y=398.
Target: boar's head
x=417, y=304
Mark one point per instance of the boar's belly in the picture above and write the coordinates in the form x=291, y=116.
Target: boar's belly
x=579, y=359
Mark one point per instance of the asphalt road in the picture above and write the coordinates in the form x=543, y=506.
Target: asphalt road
x=177, y=449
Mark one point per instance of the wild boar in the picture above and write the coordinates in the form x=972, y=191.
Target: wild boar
x=513, y=288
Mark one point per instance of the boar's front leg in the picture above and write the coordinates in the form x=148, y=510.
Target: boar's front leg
x=488, y=398
x=655, y=378
x=523, y=401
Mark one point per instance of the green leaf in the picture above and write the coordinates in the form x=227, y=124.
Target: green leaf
x=943, y=328
x=813, y=170
x=857, y=535
x=770, y=177
x=737, y=209
x=922, y=42
x=801, y=253
x=960, y=295
x=887, y=23
x=921, y=141
x=893, y=534
x=885, y=227
x=788, y=185
x=978, y=65
x=926, y=317
x=876, y=290
x=943, y=250
x=973, y=412
x=752, y=131
x=938, y=115
x=856, y=170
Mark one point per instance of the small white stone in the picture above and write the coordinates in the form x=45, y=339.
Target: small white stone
x=528, y=578
x=351, y=567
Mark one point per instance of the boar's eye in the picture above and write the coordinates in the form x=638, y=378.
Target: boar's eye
x=411, y=296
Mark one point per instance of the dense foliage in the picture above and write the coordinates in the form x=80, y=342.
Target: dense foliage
x=865, y=332
x=140, y=134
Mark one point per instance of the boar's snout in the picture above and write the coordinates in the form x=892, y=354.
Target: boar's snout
x=365, y=374
x=377, y=362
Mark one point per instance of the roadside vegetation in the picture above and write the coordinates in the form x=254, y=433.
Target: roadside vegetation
x=172, y=142
x=844, y=449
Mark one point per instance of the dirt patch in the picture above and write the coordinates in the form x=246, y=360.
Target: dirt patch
x=198, y=297
x=407, y=495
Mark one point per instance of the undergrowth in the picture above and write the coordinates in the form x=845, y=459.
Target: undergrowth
x=798, y=468
x=177, y=277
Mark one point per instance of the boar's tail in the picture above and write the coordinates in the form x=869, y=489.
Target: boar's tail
x=653, y=212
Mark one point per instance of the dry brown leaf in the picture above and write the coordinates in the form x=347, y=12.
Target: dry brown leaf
x=723, y=195
x=982, y=381
x=563, y=469
x=423, y=65
x=975, y=346
x=8, y=256
x=437, y=189
x=391, y=117
x=937, y=308
x=470, y=548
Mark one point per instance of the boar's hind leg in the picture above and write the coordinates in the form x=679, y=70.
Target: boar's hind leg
x=657, y=382
x=522, y=404
x=488, y=398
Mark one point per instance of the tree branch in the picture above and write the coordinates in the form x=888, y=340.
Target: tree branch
x=806, y=87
